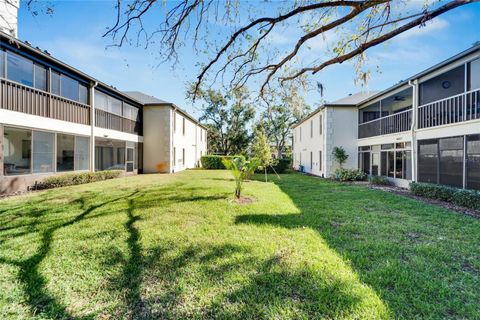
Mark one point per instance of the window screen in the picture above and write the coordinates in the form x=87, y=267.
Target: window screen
x=473, y=162
x=428, y=161
x=451, y=161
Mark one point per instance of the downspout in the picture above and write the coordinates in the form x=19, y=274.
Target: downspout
x=174, y=124
x=414, y=85
x=93, y=85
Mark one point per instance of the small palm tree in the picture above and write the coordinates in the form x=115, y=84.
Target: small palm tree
x=241, y=170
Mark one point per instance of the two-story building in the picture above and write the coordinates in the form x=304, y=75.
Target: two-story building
x=425, y=128
x=173, y=140
x=55, y=119
x=331, y=125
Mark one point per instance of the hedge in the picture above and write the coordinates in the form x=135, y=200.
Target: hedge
x=215, y=162
x=71, y=179
x=460, y=197
x=280, y=166
x=342, y=174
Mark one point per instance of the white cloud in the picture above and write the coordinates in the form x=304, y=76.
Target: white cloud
x=435, y=25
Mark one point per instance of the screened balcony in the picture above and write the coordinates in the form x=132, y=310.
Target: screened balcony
x=458, y=108
x=26, y=99
x=451, y=97
x=390, y=115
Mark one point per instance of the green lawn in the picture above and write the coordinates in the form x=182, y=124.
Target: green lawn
x=176, y=246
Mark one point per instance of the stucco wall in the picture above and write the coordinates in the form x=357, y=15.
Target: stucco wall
x=308, y=139
x=343, y=123
x=339, y=129
x=188, y=140
x=156, y=139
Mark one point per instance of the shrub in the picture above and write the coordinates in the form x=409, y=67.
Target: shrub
x=461, y=197
x=280, y=166
x=379, y=180
x=71, y=179
x=342, y=174
x=216, y=162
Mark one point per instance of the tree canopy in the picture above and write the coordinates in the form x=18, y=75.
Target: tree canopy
x=237, y=37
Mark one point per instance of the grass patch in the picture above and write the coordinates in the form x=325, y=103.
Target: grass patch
x=178, y=247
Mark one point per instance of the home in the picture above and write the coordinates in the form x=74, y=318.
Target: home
x=425, y=128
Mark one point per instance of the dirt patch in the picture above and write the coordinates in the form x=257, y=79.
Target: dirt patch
x=243, y=200
x=446, y=205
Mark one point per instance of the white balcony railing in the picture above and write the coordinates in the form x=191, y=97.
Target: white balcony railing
x=458, y=108
x=394, y=123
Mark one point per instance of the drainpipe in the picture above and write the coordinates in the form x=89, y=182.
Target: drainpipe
x=414, y=85
x=93, y=85
x=174, y=122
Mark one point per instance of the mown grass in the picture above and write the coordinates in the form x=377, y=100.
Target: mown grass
x=176, y=246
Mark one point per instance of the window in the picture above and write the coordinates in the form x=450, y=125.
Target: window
x=69, y=88
x=201, y=135
x=320, y=160
x=43, y=151
x=428, y=161
x=474, y=75
x=174, y=122
x=383, y=163
x=114, y=105
x=473, y=162
x=311, y=161
x=16, y=151
x=107, y=103
x=183, y=156
x=40, y=80
x=120, y=157
x=82, y=94
x=183, y=126
x=130, y=159
x=366, y=162
x=82, y=152
x=101, y=100
x=55, y=82
x=65, y=152
x=321, y=124
x=130, y=112
x=2, y=63
x=451, y=161
x=311, y=128
x=19, y=69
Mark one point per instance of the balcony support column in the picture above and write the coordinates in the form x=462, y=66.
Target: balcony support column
x=91, y=96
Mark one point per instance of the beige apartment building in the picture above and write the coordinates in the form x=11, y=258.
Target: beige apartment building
x=425, y=128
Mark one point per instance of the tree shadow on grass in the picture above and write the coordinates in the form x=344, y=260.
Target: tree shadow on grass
x=34, y=284
x=202, y=281
x=405, y=251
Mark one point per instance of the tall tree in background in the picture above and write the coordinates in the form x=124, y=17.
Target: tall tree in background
x=228, y=118
x=235, y=40
x=284, y=107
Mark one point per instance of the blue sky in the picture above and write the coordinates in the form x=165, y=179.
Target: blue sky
x=73, y=35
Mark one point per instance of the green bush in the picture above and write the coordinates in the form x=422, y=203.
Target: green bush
x=216, y=162
x=71, y=179
x=460, y=197
x=280, y=166
x=342, y=174
x=379, y=180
